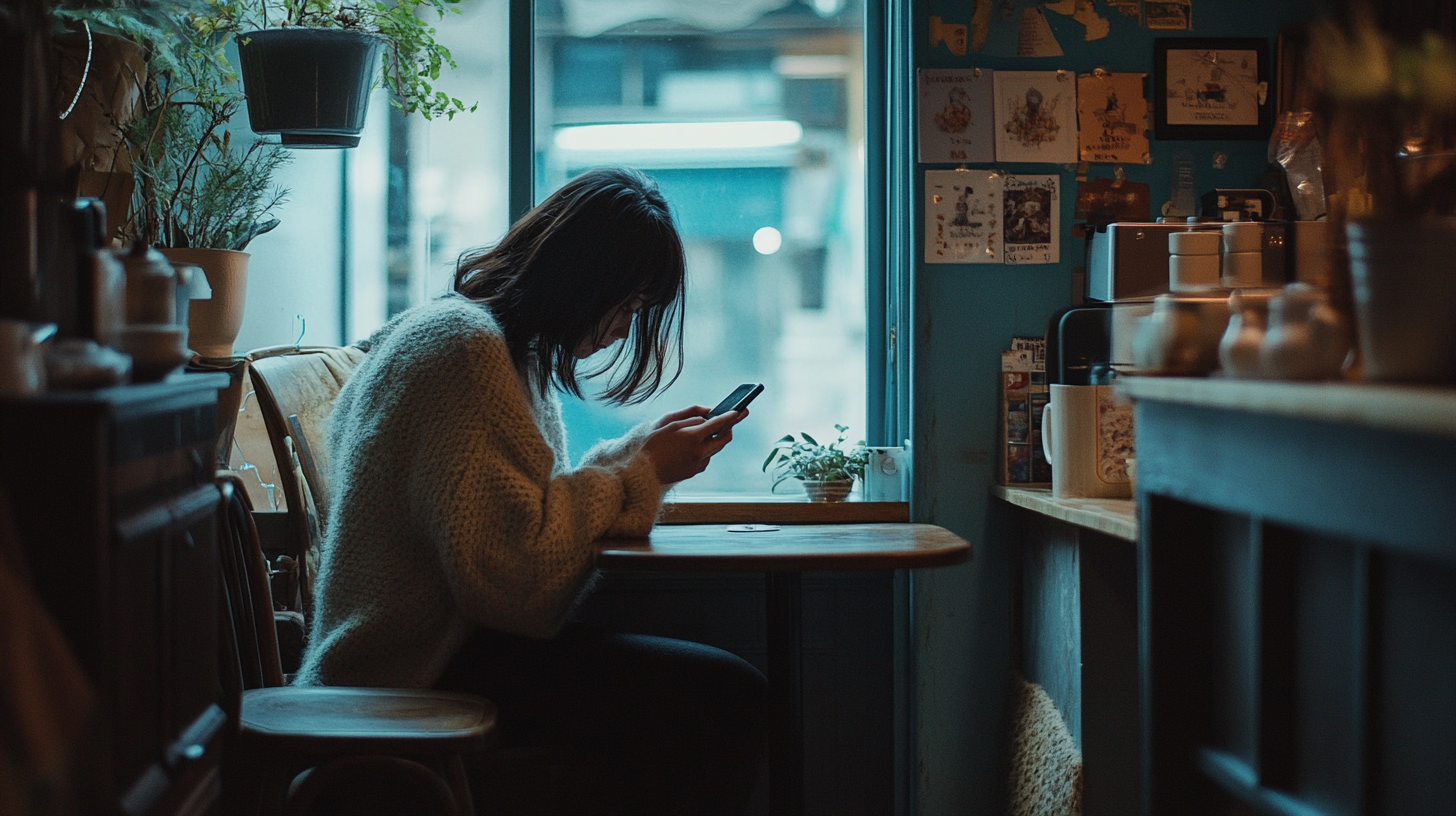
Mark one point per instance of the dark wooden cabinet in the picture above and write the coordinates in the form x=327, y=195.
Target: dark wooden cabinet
x=116, y=506
x=1297, y=571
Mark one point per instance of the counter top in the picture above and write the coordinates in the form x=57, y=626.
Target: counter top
x=1416, y=409
x=1115, y=517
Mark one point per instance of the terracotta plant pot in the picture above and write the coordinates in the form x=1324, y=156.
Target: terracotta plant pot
x=1404, y=281
x=213, y=325
x=833, y=491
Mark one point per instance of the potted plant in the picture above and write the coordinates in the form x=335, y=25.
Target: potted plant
x=827, y=471
x=308, y=65
x=201, y=191
x=1391, y=166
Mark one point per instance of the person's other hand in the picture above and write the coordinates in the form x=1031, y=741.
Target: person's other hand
x=685, y=413
x=682, y=448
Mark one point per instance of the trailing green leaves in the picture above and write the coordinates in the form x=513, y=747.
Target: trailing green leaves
x=412, y=60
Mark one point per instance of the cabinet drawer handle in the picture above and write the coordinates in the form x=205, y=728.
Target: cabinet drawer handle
x=188, y=541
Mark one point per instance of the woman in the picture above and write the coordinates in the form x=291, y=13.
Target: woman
x=461, y=538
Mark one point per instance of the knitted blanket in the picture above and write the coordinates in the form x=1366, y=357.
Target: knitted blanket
x=452, y=503
x=1046, y=767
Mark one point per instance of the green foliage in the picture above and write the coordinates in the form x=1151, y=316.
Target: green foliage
x=196, y=185
x=412, y=58
x=810, y=461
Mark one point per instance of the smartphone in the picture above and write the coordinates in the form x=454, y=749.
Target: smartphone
x=738, y=400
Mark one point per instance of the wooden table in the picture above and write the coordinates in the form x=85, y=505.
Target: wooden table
x=782, y=556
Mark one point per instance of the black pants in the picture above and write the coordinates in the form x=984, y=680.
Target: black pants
x=635, y=724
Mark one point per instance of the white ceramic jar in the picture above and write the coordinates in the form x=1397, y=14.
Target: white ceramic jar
x=1239, y=350
x=1307, y=339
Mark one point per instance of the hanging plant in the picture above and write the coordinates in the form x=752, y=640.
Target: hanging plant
x=308, y=65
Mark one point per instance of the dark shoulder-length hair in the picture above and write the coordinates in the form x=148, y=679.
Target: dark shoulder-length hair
x=601, y=240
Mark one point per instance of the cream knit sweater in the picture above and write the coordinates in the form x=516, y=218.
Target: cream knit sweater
x=453, y=504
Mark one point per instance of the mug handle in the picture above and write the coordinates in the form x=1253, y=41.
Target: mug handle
x=1046, y=430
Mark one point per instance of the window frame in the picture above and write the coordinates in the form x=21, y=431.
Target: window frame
x=889, y=266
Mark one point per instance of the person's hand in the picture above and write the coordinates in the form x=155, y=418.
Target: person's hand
x=683, y=447
x=685, y=413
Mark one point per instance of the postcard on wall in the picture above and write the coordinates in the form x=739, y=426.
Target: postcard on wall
x=1036, y=116
x=962, y=216
x=1031, y=213
x=956, y=116
x=1168, y=15
x=1112, y=117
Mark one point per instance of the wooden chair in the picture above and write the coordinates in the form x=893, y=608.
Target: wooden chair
x=296, y=388
x=294, y=743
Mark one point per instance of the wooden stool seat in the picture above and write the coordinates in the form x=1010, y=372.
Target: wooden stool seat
x=412, y=720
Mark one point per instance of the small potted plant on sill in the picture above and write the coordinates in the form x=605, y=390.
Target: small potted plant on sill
x=308, y=65
x=828, y=472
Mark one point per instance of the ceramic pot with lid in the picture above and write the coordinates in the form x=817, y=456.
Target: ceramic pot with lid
x=1307, y=339
x=151, y=286
x=1181, y=336
x=1238, y=351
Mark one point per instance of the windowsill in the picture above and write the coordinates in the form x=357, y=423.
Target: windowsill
x=780, y=510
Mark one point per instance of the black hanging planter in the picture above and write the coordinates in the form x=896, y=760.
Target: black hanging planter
x=309, y=85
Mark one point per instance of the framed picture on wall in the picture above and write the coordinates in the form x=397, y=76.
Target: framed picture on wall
x=1211, y=88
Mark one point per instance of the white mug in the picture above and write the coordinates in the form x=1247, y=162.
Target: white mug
x=885, y=475
x=1086, y=434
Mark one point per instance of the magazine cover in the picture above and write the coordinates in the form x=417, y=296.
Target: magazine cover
x=956, y=116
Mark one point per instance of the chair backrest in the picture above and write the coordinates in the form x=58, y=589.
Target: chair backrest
x=296, y=389
x=249, y=648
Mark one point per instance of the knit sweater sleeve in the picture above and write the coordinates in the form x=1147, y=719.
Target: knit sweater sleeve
x=514, y=542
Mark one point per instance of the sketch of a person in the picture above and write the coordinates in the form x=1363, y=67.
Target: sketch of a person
x=963, y=208
x=1034, y=122
x=1028, y=224
x=1113, y=116
x=955, y=117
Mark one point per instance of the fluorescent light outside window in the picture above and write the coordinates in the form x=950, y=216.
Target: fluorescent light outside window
x=645, y=136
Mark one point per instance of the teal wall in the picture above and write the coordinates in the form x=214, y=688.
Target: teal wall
x=964, y=316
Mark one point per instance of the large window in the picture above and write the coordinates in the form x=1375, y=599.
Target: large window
x=749, y=116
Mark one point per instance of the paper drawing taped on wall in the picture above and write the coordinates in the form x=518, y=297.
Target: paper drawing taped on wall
x=1036, y=117
x=955, y=115
x=1032, y=219
x=962, y=216
x=1114, y=115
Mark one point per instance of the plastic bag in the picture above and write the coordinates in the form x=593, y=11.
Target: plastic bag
x=1295, y=147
